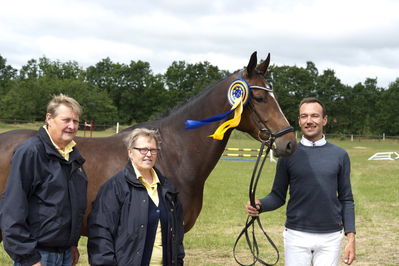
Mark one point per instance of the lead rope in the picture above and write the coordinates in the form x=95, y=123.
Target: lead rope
x=253, y=246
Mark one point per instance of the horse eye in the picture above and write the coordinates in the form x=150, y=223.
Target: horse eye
x=259, y=98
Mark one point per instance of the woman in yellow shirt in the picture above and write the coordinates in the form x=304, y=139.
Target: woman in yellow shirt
x=137, y=218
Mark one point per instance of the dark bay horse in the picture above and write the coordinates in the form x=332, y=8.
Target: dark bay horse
x=187, y=157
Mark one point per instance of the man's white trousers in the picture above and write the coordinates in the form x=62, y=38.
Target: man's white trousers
x=317, y=249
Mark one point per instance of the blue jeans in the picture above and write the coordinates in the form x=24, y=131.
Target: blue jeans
x=54, y=258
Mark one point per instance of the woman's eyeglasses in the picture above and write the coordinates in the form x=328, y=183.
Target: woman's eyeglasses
x=144, y=151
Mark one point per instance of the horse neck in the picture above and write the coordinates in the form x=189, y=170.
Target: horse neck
x=209, y=103
x=193, y=150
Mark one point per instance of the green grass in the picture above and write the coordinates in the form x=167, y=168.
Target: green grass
x=375, y=187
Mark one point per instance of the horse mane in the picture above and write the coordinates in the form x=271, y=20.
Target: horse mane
x=185, y=103
x=180, y=106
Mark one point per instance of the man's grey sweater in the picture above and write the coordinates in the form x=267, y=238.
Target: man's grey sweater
x=321, y=198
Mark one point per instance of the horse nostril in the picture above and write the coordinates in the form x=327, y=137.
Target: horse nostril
x=291, y=146
x=288, y=149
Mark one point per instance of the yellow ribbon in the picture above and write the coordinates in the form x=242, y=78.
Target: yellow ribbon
x=235, y=121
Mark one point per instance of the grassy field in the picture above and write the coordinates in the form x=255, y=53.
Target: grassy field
x=375, y=187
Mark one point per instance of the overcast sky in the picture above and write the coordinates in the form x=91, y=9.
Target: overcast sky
x=355, y=38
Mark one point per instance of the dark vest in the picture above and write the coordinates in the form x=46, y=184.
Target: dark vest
x=154, y=215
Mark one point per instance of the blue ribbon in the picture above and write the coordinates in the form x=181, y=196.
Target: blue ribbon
x=238, y=91
x=192, y=124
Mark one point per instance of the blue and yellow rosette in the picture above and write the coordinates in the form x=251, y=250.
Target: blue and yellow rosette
x=237, y=95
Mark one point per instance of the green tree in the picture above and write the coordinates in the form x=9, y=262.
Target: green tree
x=387, y=111
x=184, y=80
x=30, y=71
x=147, y=102
x=360, y=107
x=142, y=95
x=130, y=93
x=109, y=77
x=329, y=90
x=292, y=84
x=97, y=105
x=134, y=90
x=26, y=100
x=59, y=70
x=7, y=76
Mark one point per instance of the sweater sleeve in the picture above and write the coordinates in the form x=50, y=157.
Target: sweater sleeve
x=18, y=240
x=102, y=223
x=276, y=198
x=345, y=196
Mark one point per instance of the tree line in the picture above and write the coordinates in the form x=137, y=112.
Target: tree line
x=113, y=92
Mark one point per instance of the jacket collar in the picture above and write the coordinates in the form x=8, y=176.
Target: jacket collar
x=52, y=151
x=131, y=178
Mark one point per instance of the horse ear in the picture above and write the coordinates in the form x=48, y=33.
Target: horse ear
x=264, y=65
x=252, y=64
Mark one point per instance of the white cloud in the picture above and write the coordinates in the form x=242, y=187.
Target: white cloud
x=356, y=38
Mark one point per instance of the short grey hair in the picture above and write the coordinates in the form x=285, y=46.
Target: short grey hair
x=131, y=139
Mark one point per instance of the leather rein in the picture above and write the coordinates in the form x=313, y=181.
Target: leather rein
x=252, y=220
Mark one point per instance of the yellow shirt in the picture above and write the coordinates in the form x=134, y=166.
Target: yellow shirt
x=152, y=190
x=66, y=151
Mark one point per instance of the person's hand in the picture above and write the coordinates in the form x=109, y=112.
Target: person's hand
x=75, y=255
x=37, y=264
x=350, y=249
x=251, y=210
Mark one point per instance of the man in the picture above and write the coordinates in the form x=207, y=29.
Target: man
x=321, y=202
x=45, y=198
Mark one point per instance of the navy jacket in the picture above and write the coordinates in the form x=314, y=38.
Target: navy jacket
x=118, y=221
x=44, y=200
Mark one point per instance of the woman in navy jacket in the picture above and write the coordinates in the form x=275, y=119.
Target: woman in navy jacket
x=136, y=217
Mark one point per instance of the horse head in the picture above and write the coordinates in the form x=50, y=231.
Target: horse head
x=262, y=117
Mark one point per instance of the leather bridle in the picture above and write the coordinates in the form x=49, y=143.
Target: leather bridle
x=250, y=222
x=261, y=124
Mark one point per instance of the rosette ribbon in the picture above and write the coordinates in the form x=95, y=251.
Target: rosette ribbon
x=237, y=96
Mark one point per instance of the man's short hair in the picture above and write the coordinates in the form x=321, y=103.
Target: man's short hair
x=130, y=140
x=314, y=100
x=57, y=100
